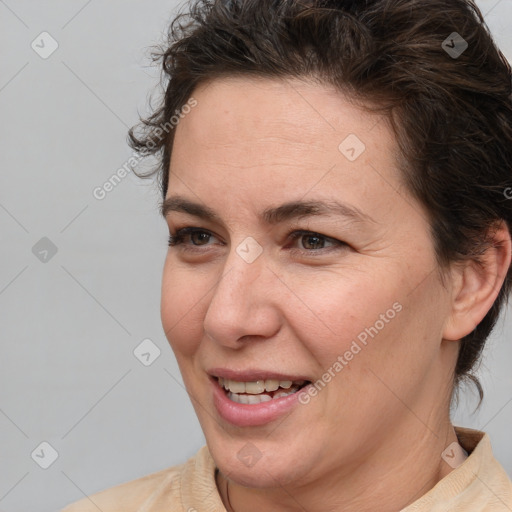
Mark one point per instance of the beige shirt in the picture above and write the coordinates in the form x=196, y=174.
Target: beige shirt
x=479, y=484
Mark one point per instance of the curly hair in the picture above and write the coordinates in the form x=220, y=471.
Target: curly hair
x=451, y=111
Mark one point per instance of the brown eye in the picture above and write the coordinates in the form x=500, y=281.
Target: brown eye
x=191, y=237
x=310, y=242
x=199, y=237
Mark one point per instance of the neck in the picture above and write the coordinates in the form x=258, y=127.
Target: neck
x=409, y=463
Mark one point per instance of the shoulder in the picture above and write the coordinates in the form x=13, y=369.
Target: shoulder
x=131, y=496
x=488, y=486
x=479, y=484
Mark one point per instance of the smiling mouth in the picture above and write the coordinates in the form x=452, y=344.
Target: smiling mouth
x=257, y=392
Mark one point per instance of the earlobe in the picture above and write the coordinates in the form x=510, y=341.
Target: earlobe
x=477, y=285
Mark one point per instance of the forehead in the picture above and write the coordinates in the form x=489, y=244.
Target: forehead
x=248, y=110
x=271, y=141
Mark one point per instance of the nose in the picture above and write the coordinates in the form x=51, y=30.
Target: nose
x=244, y=304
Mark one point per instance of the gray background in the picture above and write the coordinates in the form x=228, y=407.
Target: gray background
x=70, y=324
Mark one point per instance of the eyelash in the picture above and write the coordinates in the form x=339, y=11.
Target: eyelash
x=181, y=234
x=178, y=238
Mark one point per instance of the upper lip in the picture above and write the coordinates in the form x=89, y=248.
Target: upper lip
x=252, y=375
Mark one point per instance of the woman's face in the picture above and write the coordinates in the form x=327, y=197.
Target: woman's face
x=309, y=262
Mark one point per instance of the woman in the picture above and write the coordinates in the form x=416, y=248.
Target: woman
x=335, y=178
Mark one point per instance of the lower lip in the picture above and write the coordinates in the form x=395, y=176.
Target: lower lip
x=250, y=415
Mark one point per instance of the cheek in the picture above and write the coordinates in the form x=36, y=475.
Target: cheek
x=335, y=310
x=183, y=305
x=385, y=328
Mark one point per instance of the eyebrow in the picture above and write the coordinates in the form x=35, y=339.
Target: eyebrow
x=274, y=215
x=180, y=204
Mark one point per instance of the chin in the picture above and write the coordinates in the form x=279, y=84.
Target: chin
x=258, y=464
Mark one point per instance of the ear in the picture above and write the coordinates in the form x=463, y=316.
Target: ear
x=475, y=286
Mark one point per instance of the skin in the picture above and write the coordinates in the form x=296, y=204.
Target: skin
x=372, y=438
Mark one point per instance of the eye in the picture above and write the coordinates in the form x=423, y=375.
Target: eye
x=313, y=242
x=190, y=236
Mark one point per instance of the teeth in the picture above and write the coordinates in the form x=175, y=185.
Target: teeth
x=254, y=392
x=249, y=399
x=235, y=387
x=282, y=393
x=253, y=388
x=271, y=385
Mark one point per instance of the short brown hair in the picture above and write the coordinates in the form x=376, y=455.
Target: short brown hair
x=451, y=113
